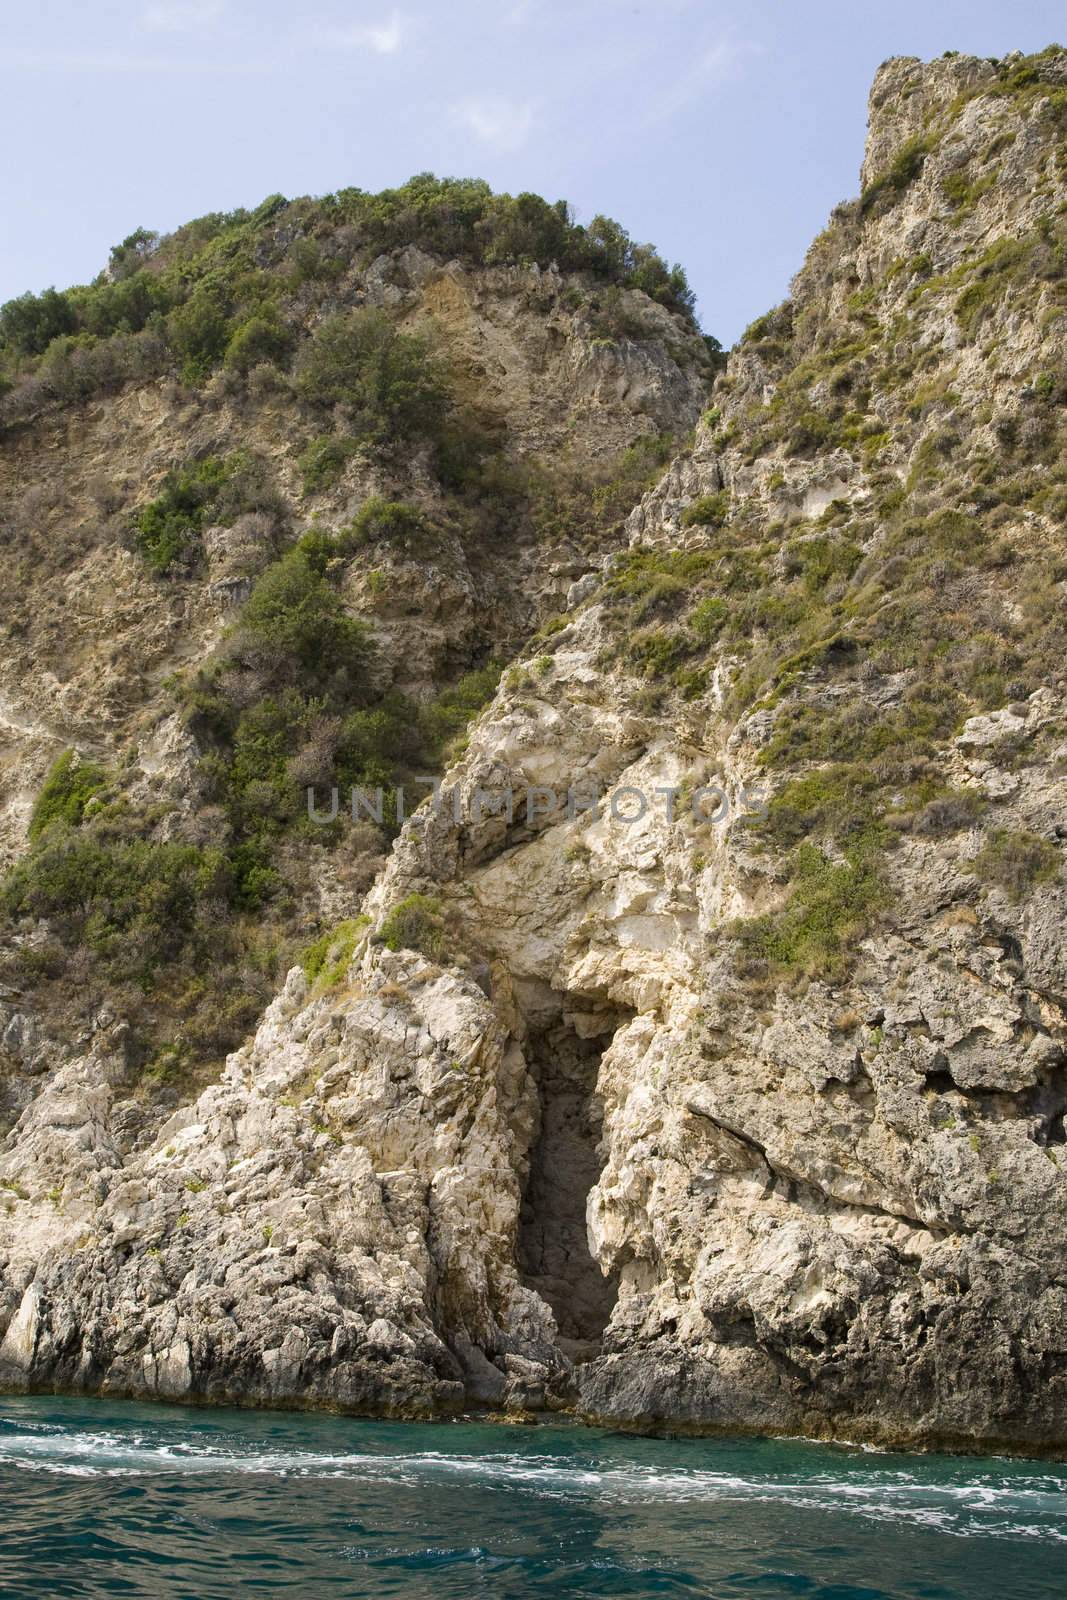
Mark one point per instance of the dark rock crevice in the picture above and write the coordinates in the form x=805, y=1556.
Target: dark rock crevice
x=552, y=1246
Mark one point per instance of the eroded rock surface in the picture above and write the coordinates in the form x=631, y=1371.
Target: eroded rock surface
x=799, y=1068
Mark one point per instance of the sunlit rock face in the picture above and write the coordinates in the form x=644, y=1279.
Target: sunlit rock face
x=735, y=1100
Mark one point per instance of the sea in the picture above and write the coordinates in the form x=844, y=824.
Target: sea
x=101, y=1499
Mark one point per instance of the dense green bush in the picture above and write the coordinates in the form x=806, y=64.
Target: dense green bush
x=288, y=703
x=832, y=905
x=325, y=961
x=443, y=719
x=167, y=524
x=708, y=618
x=68, y=789
x=215, y=489
x=150, y=926
x=380, y=744
x=29, y=324
x=199, y=330
x=129, y=257
x=838, y=803
x=134, y=902
x=655, y=651
x=391, y=522
x=709, y=511
x=821, y=560
x=123, y=307
x=901, y=171
x=463, y=217
x=387, y=382
x=260, y=337
x=298, y=615
x=275, y=708
x=810, y=431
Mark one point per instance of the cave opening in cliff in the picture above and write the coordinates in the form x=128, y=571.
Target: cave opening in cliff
x=553, y=1246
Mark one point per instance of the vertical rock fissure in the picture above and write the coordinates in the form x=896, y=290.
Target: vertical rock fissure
x=553, y=1247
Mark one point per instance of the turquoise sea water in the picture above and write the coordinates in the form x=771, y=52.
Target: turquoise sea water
x=102, y=1499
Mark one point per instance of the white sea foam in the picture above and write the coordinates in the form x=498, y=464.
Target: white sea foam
x=989, y=1503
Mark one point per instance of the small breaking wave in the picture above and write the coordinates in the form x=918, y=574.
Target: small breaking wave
x=989, y=1502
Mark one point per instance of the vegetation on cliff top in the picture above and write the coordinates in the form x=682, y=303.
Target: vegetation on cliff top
x=1024, y=80
x=237, y=289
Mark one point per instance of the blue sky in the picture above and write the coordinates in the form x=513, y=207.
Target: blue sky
x=722, y=132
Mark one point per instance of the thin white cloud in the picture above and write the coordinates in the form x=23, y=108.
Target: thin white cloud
x=385, y=37
x=181, y=16
x=505, y=124
x=717, y=64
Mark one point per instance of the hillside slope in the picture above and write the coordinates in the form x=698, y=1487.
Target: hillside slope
x=747, y=1118
x=282, y=516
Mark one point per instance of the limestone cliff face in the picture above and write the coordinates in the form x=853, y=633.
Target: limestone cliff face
x=564, y=392
x=91, y=635
x=739, y=1103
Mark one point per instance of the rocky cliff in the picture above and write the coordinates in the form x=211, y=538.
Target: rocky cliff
x=700, y=1061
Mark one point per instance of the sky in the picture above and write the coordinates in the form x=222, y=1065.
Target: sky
x=723, y=133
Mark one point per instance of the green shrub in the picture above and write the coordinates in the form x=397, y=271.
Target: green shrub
x=379, y=743
x=577, y=502
x=809, y=431
x=208, y=292
x=323, y=461
x=654, y=651
x=132, y=903
x=415, y=923
x=295, y=612
x=640, y=570
x=838, y=802
x=1007, y=260
x=962, y=191
x=831, y=907
x=30, y=323
x=255, y=880
x=261, y=337
x=387, y=382
x=278, y=707
x=902, y=170
x=386, y=522
x=198, y=331
x=822, y=560
x=462, y=217
x=445, y=718
x=710, y=511
x=262, y=742
x=153, y=928
x=166, y=526
x=325, y=961
x=1016, y=861
x=69, y=787
x=123, y=307
x=215, y=489
x=127, y=259
x=708, y=618
x=948, y=810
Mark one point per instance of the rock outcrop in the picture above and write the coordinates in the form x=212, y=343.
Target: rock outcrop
x=738, y=929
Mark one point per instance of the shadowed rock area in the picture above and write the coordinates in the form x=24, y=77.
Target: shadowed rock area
x=553, y=1246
